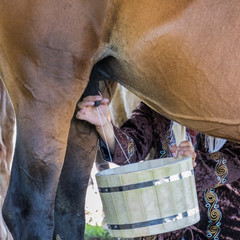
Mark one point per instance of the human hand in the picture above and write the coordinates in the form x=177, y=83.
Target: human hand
x=185, y=149
x=90, y=113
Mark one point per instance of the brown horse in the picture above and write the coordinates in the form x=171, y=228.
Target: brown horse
x=180, y=57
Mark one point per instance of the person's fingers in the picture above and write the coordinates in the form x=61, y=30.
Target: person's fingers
x=185, y=144
x=174, y=150
x=85, y=115
x=194, y=163
x=186, y=152
x=81, y=115
x=85, y=103
x=93, y=98
x=90, y=101
x=104, y=101
x=186, y=149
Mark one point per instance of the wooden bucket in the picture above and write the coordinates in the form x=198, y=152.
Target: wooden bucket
x=149, y=197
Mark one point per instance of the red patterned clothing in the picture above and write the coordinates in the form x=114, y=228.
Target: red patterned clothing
x=217, y=174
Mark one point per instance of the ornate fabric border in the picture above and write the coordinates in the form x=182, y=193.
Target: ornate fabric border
x=211, y=198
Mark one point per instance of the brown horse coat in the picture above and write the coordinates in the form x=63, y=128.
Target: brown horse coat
x=180, y=57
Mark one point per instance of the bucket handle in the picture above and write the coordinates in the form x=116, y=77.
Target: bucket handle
x=179, y=132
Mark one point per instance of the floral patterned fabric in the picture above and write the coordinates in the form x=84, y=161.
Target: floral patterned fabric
x=217, y=174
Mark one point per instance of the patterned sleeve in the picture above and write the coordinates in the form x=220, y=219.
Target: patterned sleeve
x=134, y=138
x=216, y=169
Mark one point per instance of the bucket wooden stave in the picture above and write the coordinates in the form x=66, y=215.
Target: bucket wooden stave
x=149, y=197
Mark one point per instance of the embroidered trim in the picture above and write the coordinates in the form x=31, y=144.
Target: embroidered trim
x=214, y=214
x=169, y=140
x=211, y=198
x=171, y=135
x=131, y=149
x=221, y=168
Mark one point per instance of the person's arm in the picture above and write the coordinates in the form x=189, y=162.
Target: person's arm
x=121, y=142
x=98, y=116
x=134, y=138
x=106, y=133
x=215, y=169
x=133, y=141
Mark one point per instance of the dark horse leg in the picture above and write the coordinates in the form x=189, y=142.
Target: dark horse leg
x=71, y=193
x=70, y=198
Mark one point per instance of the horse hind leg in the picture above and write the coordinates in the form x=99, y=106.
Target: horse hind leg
x=74, y=178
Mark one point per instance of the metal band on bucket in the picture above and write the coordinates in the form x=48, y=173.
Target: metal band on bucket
x=155, y=182
x=169, y=219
